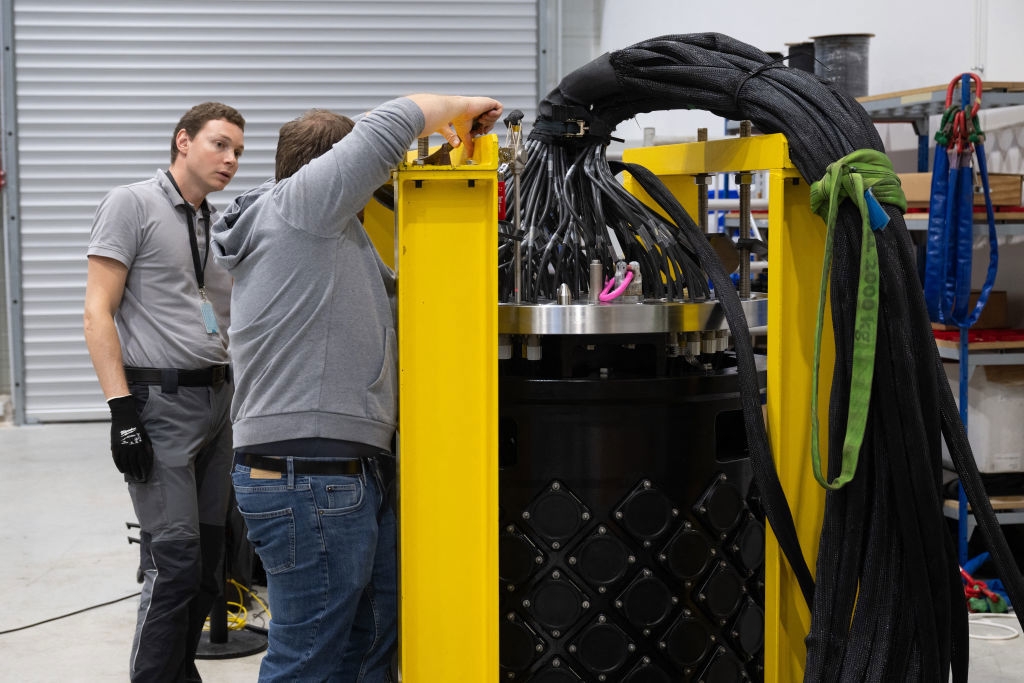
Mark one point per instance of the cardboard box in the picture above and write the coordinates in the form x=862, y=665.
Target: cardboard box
x=1005, y=189
x=993, y=316
x=995, y=404
x=917, y=188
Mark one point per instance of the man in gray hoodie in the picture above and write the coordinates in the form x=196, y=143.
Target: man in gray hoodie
x=314, y=350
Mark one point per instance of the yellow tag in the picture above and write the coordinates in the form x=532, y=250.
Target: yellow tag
x=257, y=473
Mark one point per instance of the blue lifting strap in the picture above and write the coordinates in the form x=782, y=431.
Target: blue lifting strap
x=949, y=251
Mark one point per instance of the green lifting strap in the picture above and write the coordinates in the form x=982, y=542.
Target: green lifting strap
x=865, y=177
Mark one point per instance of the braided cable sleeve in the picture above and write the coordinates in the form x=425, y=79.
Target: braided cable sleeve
x=888, y=604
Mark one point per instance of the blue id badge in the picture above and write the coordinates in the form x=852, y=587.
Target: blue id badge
x=209, y=317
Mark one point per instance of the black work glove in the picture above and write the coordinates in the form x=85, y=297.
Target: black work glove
x=129, y=443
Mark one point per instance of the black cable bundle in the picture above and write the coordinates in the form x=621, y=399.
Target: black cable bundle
x=888, y=604
x=567, y=193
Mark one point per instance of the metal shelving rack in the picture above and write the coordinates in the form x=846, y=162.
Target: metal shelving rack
x=1008, y=509
x=1007, y=512
x=917, y=106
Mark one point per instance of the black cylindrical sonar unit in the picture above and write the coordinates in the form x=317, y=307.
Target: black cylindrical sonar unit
x=631, y=542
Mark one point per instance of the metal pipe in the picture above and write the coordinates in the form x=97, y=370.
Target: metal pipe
x=11, y=223
x=734, y=204
x=596, y=280
x=515, y=157
x=517, y=171
x=744, y=180
x=701, y=179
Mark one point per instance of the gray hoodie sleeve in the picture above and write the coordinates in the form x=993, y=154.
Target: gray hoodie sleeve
x=338, y=184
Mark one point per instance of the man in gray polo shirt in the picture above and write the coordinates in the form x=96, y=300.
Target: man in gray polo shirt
x=156, y=319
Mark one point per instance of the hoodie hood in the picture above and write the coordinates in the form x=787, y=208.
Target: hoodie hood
x=231, y=234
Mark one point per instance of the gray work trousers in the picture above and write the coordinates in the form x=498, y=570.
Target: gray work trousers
x=182, y=510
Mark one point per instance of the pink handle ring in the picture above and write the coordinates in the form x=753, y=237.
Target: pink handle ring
x=607, y=295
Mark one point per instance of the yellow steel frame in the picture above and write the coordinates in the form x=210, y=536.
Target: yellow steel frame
x=446, y=253
x=379, y=222
x=796, y=244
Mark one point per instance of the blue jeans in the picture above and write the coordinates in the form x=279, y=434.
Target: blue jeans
x=328, y=545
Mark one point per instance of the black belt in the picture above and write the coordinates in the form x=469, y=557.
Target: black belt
x=213, y=376
x=299, y=465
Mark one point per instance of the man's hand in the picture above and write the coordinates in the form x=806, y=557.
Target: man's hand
x=458, y=119
x=476, y=116
x=129, y=443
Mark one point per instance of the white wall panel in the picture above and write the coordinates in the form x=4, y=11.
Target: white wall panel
x=100, y=85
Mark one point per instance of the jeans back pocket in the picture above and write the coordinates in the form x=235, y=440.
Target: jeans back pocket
x=272, y=534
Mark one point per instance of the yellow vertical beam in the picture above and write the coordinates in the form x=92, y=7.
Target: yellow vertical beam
x=796, y=240
x=379, y=222
x=448, y=465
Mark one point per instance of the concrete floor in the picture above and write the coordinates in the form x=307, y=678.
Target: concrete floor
x=64, y=509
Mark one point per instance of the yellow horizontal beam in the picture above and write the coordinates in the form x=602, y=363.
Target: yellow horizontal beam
x=680, y=166
x=729, y=155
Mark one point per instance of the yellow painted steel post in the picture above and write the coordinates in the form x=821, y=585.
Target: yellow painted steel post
x=447, y=249
x=796, y=240
x=795, y=254
x=379, y=222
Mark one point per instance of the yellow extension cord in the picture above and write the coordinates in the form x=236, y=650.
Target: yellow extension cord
x=237, y=613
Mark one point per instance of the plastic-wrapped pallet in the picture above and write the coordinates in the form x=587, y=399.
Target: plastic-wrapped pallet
x=995, y=416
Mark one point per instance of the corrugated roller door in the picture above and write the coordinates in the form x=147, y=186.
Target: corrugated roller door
x=100, y=86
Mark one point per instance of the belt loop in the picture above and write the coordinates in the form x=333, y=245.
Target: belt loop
x=291, y=471
x=169, y=380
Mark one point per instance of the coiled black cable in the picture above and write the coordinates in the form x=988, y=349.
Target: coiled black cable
x=888, y=603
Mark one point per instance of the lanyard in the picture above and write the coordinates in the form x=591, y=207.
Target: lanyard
x=205, y=307
x=190, y=213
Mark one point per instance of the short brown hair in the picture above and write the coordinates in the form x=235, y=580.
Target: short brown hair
x=307, y=137
x=195, y=118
